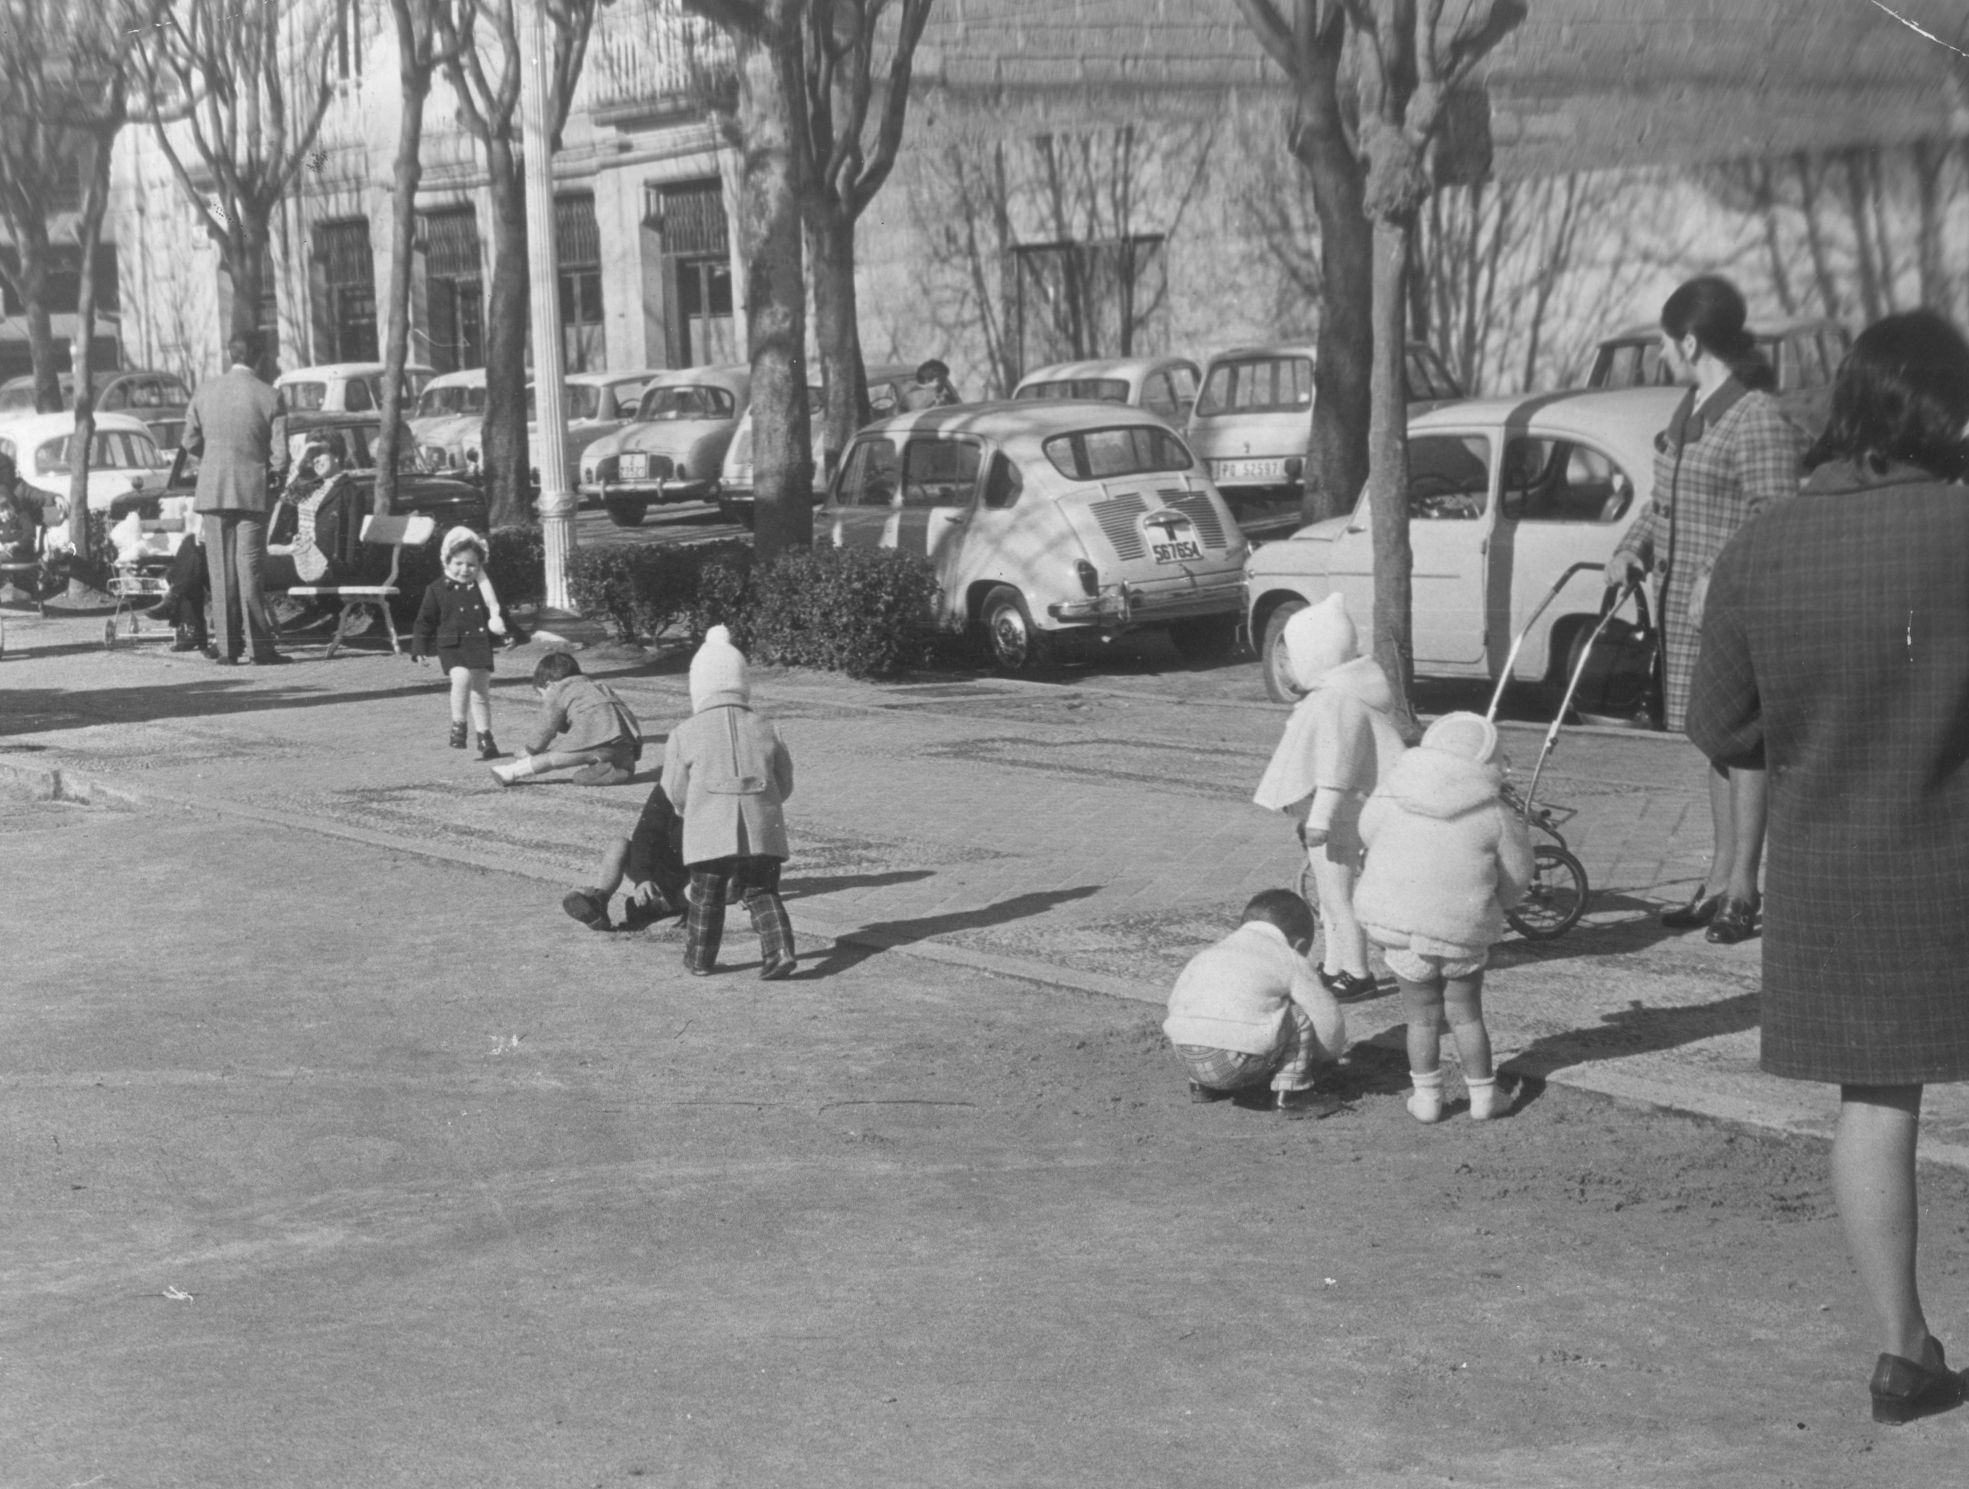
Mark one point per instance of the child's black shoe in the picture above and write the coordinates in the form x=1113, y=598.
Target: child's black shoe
x=458, y=736
x=487, y=749
x=1348, y=987
x=590, y=907
x=1297, y=1105
x=1201, y=1094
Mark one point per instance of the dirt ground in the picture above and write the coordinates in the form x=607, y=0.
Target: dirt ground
x=336, y=1168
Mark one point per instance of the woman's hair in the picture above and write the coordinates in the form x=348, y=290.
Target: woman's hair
x=556, y=665
x=1902, y=394
x=1710, y=309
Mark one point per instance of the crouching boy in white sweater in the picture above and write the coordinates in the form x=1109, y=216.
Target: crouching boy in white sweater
x=1251, y=1009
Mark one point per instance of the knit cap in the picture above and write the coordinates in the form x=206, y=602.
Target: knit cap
x=461, y=537
x=1468, y=736
x=1319, y=638
x=718, y=669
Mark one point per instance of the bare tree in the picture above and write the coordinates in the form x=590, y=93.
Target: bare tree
x=419, y=55
x=844, y=172
x=768, y=129
x=1308, y=40
x=251, y=84
x=479, y=43
x=1412, y=60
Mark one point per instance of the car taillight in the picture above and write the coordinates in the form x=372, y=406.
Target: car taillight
x=1090, y=578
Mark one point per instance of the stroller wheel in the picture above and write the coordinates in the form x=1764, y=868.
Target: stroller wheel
x=1556, y=897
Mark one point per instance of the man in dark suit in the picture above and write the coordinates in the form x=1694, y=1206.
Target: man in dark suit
x=230, y=426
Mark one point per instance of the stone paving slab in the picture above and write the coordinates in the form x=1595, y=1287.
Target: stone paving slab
x=1090, y=834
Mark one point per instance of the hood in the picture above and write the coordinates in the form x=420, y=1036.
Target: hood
x=1436, y=783
x=1318, y=639
x=1363, y=678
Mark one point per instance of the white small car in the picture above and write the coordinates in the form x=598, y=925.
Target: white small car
x=593, y=404
x=344, y=387
x=886, y=381
x=123, y=458
x=1165, y=386
x=1505, y=496
x=449, y=409
x=674, y=447
x=1046, y=519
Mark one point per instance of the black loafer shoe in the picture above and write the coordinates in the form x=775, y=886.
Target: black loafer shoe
x=589, y=907
x=1347, y=987
x=1904, y=1391
x=1298, y=1105
x=1698, y=911
x=1201, y=1094
x=1736, y=921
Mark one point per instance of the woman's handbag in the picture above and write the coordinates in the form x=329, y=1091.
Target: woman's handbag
x=1622, y=676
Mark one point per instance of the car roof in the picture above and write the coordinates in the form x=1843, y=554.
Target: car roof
x=1651, y=333
x=322, y=371
x=1060, y=372
x=1264, y=349
x=616, y=375
x=41, y=426
x=1009, y=422
x=738, y=377
x=1605, y=413
x=464, y=377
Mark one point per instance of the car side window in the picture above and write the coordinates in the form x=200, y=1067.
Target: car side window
x=873, y=474
x=356, y=396
x=1004, y=486
x=1546, y=480
x=117, y=397
x=1158, y=397
x=940, y=473
x=1448, y=477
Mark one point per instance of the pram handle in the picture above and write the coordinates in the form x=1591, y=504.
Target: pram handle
x=1518, y=641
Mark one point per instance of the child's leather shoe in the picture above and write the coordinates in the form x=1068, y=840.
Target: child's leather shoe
x=1200, y=1093
x=1297, y=1105
x=589, y=906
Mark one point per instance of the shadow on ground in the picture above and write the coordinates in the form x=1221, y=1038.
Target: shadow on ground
x=882, y=935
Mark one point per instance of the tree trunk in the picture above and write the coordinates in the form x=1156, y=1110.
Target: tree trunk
x=40, y=330
x=1336, y=450
x=1394, y=644
x=831, y=240
x=775, y=291
x=416, y=82
x=95, y=203
x=504, y=445
x=245, y=258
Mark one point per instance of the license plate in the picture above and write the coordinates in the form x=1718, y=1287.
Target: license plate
x=635, y=467
x=1176, y=553
x=1247, y=470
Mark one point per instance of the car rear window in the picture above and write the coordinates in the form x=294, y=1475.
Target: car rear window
x=1104, y=454
x=681, y=401
x=1257, y=385
x=303, y=397
x=1098, y=389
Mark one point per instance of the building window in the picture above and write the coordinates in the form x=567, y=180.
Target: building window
x=689, y=217
x=578, y=248
x=1091, y=299
x=349, y=274
x=454, y=298
x=348, y=44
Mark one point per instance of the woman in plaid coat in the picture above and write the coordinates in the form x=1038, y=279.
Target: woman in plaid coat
x=1835, y=654
x=1727, y=455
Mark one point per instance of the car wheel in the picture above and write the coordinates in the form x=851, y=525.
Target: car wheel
x=1011, y=641
x=733, y=513
x=624, y=512
x=1280, y=685
x=1208, y=638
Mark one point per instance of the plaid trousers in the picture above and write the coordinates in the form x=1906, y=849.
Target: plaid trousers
x=1289, y=1063
x=715, y=882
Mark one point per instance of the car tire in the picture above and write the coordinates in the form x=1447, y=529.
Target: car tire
x=625, y=511
x=733, y=513
x=1277, y=667
x=1011, y=642
x=1207, y=638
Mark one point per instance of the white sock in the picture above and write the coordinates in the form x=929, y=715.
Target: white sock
x=1425, y=1102
x=1483, y=1099
x=514, y=770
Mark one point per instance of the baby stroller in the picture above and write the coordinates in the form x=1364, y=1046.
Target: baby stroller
x=140, y=573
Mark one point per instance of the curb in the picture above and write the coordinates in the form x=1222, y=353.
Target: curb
x=51, y=783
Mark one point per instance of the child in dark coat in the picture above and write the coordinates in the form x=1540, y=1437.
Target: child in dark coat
x=456, y=621
x=650, y=861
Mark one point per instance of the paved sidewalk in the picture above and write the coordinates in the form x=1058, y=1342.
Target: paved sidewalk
x=1088, y=835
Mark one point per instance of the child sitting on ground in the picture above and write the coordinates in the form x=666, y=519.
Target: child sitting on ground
x=727, y=769
x=604, y=740
x=1445, y=859
x=651, y=860
x=1339, y=744
x=1249, y=1009
x=456, y=622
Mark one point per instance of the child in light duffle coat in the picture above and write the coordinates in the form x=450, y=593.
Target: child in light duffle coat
x=458, y=620
x=726, y=769
x=603, y=738
x=1249, y=1010
x=1445, y=859
x=1339, y=744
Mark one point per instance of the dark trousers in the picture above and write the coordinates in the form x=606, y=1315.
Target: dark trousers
x=755, y=881
x=235, y=562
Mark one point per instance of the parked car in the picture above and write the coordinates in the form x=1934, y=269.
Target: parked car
x=1253, y=417
x=122, y=455
x=1804, y=357
x=592, y=404
x=344, y=387
x=451, y=406
x=158, y=398
x=675, y=446
x=1047, y=519
x=1504, y=496
x=886, y=382
x=1165, y=386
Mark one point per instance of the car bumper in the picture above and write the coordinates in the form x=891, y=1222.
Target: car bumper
x=656, y=489
x=1144, y=604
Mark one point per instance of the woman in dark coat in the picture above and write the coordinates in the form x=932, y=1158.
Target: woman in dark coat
x=1835, y=654
x=1727, y=454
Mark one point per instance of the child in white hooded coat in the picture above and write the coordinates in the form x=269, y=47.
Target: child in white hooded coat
x=1445, y=859
x=1339, y=744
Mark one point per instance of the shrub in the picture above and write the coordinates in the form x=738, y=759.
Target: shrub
x=639, y=592
x=866, y=612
